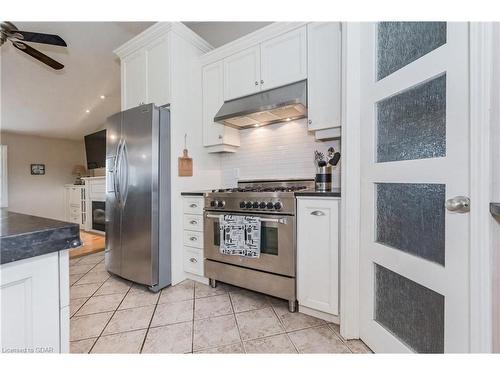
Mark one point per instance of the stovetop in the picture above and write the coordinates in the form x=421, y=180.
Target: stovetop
x=271, y=196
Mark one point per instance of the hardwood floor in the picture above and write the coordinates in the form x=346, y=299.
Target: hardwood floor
x=92, y=243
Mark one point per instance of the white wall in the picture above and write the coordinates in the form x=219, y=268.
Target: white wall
x=495, y=186
x=40, y=195
x=278, y=151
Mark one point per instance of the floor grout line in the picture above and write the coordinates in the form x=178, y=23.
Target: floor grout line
x=111, y=317
x=237, y=325
x=149, y=325
x=192, y=323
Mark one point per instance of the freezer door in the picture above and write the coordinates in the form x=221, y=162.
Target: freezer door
x=113, y=254
x=139, y=196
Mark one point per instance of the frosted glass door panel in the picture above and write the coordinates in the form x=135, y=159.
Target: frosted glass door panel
x=412, y=124
x=400, y=43
x=410, y=218
x=412, y=312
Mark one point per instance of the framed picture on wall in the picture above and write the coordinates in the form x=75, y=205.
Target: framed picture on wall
x=37, y=169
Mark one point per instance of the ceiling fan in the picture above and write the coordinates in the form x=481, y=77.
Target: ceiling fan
x=18, y=38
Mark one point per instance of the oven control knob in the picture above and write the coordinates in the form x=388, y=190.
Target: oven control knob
x=248, y=205
x=278, y=205
x=242, y=204
x=255, y=205
x=221, y=204
x=262, y=205
x=212, y=203
x=270, y=205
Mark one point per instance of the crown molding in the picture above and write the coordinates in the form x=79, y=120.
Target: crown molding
x=157, y=30
x=250, y=40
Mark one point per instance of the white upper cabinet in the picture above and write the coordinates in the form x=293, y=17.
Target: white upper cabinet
x=213, y=97
x=242, y=73
x=284, y=59
x=158, y=71
x=324, y=75
x=146, y=74
x=134, y=78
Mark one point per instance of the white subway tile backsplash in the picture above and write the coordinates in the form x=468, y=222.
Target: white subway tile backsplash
x=276, y=151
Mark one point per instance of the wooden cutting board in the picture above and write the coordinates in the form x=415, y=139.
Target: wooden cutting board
x=185, y=165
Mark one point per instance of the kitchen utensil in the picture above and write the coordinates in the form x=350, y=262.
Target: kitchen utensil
x=185, y=162
x=335, y=159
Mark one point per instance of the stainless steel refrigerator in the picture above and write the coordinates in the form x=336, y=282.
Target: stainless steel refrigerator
x=138, y=196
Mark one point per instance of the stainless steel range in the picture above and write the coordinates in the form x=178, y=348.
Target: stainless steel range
x=273, y=202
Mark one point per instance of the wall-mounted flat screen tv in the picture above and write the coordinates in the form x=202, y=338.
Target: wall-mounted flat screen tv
x=95, y=148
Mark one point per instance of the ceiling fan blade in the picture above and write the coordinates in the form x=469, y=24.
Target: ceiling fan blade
x=55, y=40
x=38, y=55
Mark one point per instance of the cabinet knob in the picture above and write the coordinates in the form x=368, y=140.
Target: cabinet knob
x=261, y=81
x=193, y=222
x=193, y=205
x=220, y=136
x=193, y=238
x=256, y=83
x=318, y=213
x=193, y=260
x=309, y=122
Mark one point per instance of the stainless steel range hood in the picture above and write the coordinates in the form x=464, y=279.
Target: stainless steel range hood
x=281, y=104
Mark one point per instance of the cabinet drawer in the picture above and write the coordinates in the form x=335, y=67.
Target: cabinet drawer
x=193, y=261
x=193, y=205
x=74, y=210
x=193, y=222
x=193, y=239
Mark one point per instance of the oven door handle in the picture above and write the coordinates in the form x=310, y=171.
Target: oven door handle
x=281, y=220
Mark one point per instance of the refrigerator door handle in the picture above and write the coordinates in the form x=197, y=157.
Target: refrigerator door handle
x=117, y=175
x=124, y=154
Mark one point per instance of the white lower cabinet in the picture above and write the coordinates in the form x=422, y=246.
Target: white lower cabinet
x=35, y=304
x=318, y=256
x=193, y=257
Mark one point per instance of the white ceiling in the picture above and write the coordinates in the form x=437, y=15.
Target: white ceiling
x=219, y=33
x=38, y=100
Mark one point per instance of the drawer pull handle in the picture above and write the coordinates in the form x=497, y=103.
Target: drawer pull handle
x=193, y=205
x=193, y=238
x=318, y=213
x=193, y=222
x=193, y=260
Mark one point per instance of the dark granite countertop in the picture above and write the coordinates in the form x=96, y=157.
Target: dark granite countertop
x=313, y=193
x=25, y=236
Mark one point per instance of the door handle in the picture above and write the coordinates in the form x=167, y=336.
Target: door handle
x=458, y=204
x=116, y=184
x=318, y=213
x=124, y=155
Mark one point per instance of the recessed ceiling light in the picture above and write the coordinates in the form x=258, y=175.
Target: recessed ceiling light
x=288, y=119
x=257, y=125
x=87, y=111
x=103, y=97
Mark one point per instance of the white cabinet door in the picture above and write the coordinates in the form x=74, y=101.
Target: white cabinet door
x=284, y=59
x=158, y=71
x=242, y=73
x=213, y=98
x=323, y=75
x=30, y=303
x=317, y=254
x=134, y=78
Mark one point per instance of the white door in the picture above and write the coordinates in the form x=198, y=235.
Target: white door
x=242, y=73
x=134, y=79
x=284, y=59
x=414, y=157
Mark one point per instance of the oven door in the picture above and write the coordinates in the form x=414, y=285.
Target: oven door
x=277, y=244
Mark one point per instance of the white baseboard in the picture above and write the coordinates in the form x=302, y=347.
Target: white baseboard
x=200, y=279
x=319, y=314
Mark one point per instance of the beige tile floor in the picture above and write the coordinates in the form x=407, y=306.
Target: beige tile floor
x=112, y=315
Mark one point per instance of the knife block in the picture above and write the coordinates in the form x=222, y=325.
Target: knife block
x=185, y=165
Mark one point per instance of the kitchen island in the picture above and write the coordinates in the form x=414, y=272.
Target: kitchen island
x=34, y=283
